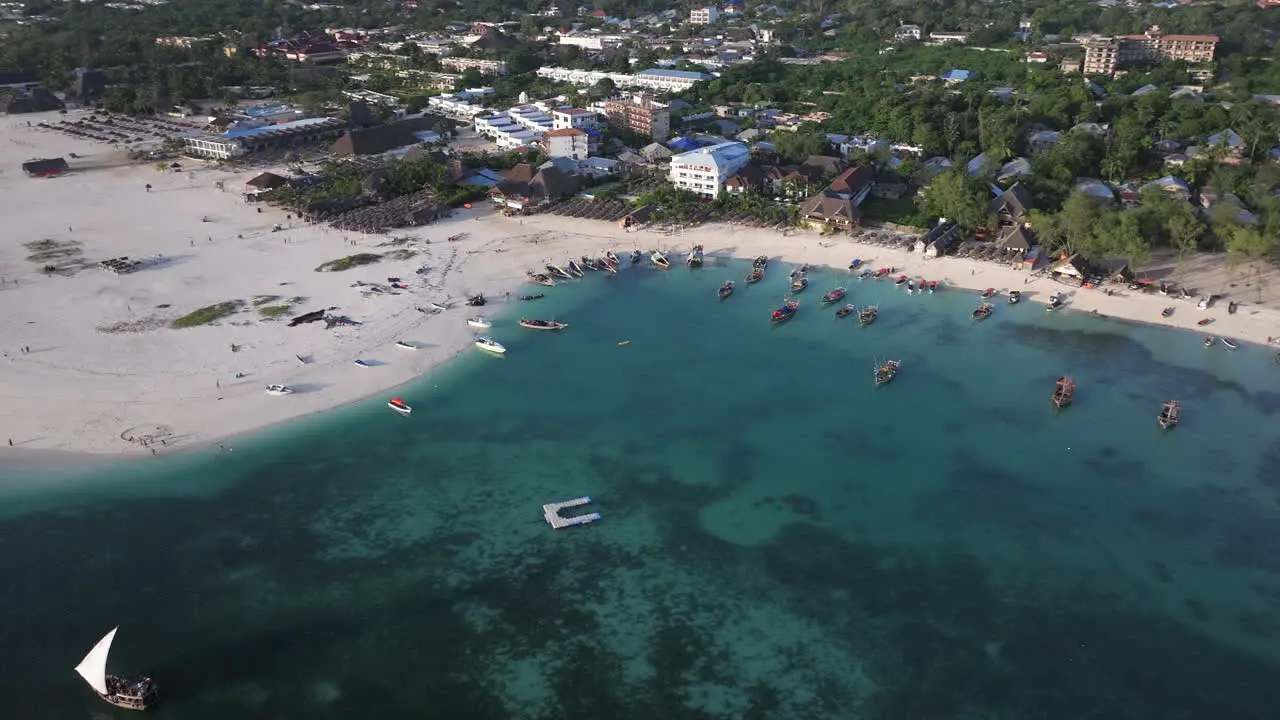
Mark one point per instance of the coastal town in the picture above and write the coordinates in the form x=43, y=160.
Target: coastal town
x=420, y=161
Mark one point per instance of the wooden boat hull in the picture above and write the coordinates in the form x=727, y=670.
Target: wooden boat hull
x=550, y=325
x=126, y=703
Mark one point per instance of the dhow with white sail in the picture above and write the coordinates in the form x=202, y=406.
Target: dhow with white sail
x=131, y=694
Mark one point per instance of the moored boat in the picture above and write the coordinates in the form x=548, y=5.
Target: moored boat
x=695, y=257
x=542, y=324
x=588, y=263
x=479, y=323
x=660, y=260
x=1170, y=414
x=558, y=271
x=833, y=296
x=1064, y=392
x=1015, y=297
x=756, y=274
x=902, y=280
x=399, y=406
x=541, y=279
x=527, y=298
x=1055, y=302
x=845, y=311
x=799, y=284
x=1209, y=340
x=725, y=290
x=933, y=285
x=612, y=257
x=868, y=315
x=575, y=269
x=491, y=345
x=1231, y=344
x=988, y=293
x=887, y=372
x=784, y=313
x=760, y=261
x=605, y=265
x=866, y=274
x=983, y=311
x=128, y=693
x=911, y=287
x=800, y=271
x=636, y=257
x=279, y=390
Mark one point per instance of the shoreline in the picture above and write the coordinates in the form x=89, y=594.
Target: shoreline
x=104, y=363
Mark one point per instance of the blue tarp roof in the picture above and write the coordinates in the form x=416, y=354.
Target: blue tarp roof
x=682, y=144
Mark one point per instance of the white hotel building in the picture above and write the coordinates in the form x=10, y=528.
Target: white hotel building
x=653, y=79
x=520, y=126
x=703, y=171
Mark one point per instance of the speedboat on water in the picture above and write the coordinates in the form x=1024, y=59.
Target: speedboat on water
x=399, y=406
x=491, y=345
x=279, y=390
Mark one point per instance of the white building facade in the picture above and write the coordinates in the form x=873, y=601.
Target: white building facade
x=704, y=171
x=575, y=118
x=570, y=143
x=704, y=15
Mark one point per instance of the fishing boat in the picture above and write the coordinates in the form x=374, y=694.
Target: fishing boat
x=405, y=345
x=833, y=296
x=279, y=390
x=542, y=324
x=988, y=293
x=902, y=280
x=983, y=311
x=605, y=265
x=399, y=406
x=883, y=272
x=911, y=287
x=756, y=275
x=612, y=258
x=479, y=323
x=558, y=271
x=660, y=260
x=784, y=313
x=636, y=257
x=362, y=363
x=127, y=693
x=887, y=372
x=800, y=271
x=1166, y=312
x=1015, y=297
x=868, y=315
x=541, y=279
x=1209, y=340
x=1170, y=414
x=933, y=285
x=491, y=345
x=588, y=263
x=760, y=261
x=1064, y=392
x=799, y=284
x=725, y=290
x=1231, y=344
x=527, y=298
x=855, y=264
x=695, y=257
x=1055, y=302
x=845, y=311
x=575, y=269
x=866, y=274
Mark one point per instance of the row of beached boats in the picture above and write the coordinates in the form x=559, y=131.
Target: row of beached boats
x=608, y=263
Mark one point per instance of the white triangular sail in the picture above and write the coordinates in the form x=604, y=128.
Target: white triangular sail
x=93, y=668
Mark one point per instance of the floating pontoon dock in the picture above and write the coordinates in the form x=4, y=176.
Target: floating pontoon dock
x=551, y=511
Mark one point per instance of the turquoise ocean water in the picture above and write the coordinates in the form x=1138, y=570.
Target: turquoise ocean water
x=780, y=539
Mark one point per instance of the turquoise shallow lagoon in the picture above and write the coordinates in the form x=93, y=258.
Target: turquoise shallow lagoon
x=780, y=539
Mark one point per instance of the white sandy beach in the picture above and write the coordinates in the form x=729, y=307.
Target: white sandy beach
x=87, y=382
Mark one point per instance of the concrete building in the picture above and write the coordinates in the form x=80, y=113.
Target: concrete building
x=244, y=141
x=704, y=15
x=703, y=171
x=569, y=142
x=485, y=67
x=640, y=115
x=1104, y=55
x=591, y=41
x=907, y=32
x=653, y=79
x=948, y=38
x=576, y=118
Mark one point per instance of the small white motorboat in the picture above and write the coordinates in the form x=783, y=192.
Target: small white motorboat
x=362, y=363
x=491, y=345
x=479, y=323
x=406, y=345
x=399, y=406
x=279, y=390
x=1231, y=345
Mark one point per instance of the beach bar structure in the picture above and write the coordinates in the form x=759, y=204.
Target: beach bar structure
x=551, y=512
x=239, y=141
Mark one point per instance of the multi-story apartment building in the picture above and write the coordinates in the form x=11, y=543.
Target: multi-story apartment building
x=652, y=79
x=704, y=171
x=569, y=142
x=1105, y=55
x=576, y=118
x=641, y=116
x=486, y=67
x=704, y=15
x=907, y=32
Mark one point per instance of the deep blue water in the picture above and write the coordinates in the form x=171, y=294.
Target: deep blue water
x=780, y=539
